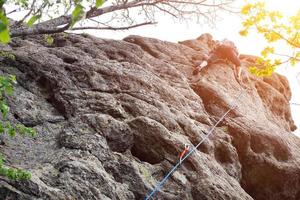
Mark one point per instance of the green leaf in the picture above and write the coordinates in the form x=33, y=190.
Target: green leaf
x=1, y=161
x=11, y=131
x=77, y=14
x=14, y=174
x=99, y=3
x=4, y=33
x=9, y=90
x=4, y=81
x=13, y=79
x=49, y=39
x=6, y=84
x=1, y=128
x=23, y=130
x=33, y=19
x=2, y=2
x=4, y=109
x=4, y=36
x=22, y=3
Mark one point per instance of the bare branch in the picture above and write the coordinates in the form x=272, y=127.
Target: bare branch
x=27, y=15
x=93, y=12
x=44, y=30
x=114, y=28
x=290, y=42
x=202, y=3
x=166, y=11
x=13, y=11
x=182, y=10
x=285, y=39
x=285, y=55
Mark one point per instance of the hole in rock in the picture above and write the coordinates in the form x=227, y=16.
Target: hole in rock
x=16, y=116
x=69, y=60
x=146, y=155
x=60, y=107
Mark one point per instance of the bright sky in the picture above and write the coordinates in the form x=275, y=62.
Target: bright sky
x=228, y=27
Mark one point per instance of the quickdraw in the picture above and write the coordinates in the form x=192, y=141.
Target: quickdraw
x=187, y=151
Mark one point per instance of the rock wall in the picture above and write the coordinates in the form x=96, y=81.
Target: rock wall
x=113, y=116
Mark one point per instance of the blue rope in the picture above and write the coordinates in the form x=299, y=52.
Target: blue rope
x=162, y=182
x=295, y=104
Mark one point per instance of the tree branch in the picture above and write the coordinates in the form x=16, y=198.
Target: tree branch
x=113, y=28
x=51, y=25
x=10, y=12
x=29, y=12
x=93, y=12
x=42, y=30
x=285, y=55
x=176, y=8
x=285, y=39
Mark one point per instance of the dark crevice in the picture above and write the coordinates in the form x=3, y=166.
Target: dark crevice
x=144, y=156
x=46, y=84
x=298, y=195
x=59, y=106
x=6, y=193
x=16, y=116
x=70, y=60
x=27, y=122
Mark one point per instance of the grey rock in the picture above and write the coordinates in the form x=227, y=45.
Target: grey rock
x=113, y=117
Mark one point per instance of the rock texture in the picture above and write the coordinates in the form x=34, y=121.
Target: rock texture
x=113, y=116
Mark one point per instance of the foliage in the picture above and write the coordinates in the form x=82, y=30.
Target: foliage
x=55, y=16
x=49, y=39
x=4, y=29
x=99, y=3
x=6, y=54
x=275, y=28
x=77, y=14
x=7, y=88
x=11, y=173
x=33, y=19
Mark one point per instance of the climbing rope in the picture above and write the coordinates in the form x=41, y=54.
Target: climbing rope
x=162, y=182
x=295, y=104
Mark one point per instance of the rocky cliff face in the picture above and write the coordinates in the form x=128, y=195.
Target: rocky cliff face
x=113, y=116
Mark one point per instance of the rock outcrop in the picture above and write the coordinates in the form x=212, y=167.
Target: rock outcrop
x=113, y=116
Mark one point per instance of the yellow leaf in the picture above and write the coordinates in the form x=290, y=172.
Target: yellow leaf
x=277, y=62
x=261, y=29
x=267, y=51
x=243, y=32
x=259, y=61
x=253, y=70
x=260, y=16
x=274, y=16
x=295, y=21
x=248, y=22
x=260, y=5
x=272, y=36
x=246, y=9
x=297, y=55
x=293, y=61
